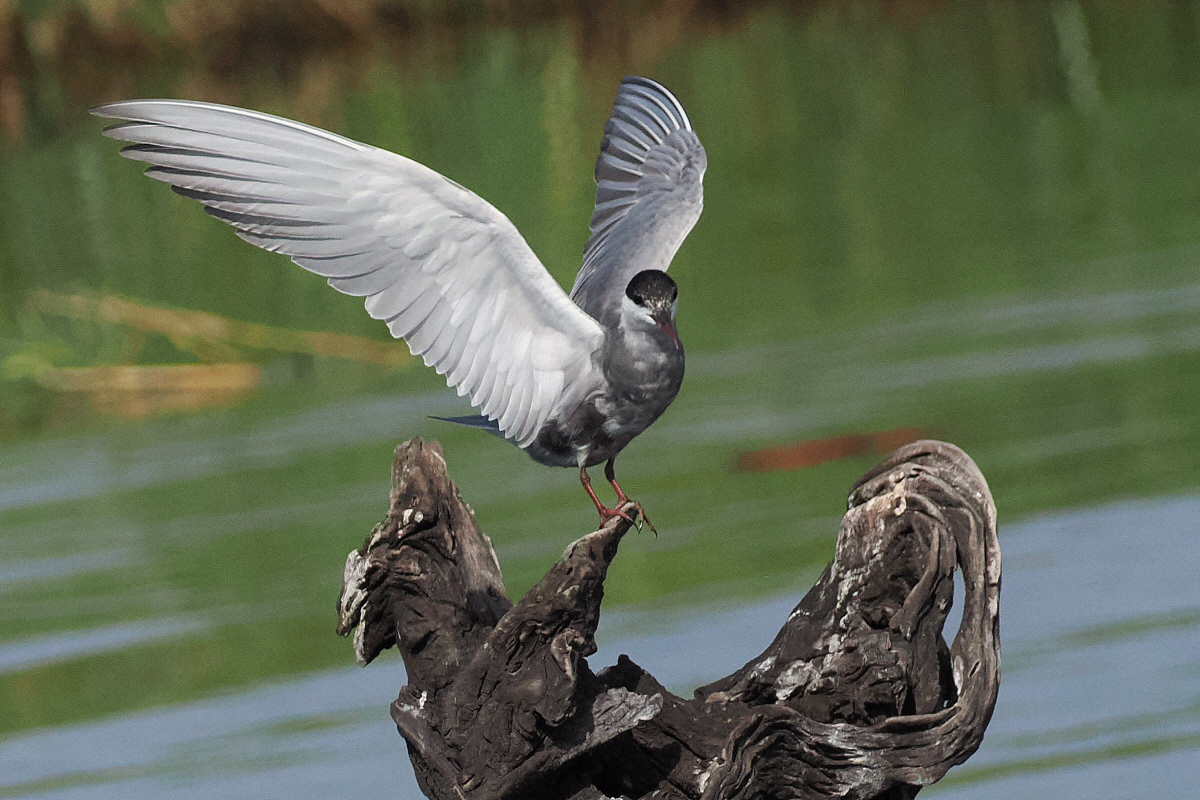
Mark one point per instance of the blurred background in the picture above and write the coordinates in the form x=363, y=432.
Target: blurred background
x=972, y=221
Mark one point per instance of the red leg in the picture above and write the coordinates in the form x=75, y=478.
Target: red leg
x=623, y=498
x=605, y=513
x=611, y=475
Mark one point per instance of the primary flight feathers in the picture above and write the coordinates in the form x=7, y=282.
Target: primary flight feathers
x=442, y=267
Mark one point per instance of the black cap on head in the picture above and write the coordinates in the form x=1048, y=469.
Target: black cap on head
x=652, y=288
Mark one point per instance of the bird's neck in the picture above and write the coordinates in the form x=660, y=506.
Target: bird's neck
x=639, y=352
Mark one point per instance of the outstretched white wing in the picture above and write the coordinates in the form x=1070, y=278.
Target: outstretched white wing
x=649, y=193
x=442, y=267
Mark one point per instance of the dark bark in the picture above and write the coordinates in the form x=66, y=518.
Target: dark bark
x=857, y=697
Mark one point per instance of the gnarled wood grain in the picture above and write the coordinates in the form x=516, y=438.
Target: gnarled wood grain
x=858, y=696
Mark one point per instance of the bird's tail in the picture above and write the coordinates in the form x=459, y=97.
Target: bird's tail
x=475, y=421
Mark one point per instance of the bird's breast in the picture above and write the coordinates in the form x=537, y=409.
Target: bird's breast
x=641, y=381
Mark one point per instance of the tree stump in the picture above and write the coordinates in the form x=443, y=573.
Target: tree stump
x=857, y=697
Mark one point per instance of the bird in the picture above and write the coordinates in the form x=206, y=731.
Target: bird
x=570, y=379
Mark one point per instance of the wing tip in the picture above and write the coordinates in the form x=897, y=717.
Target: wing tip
x=660, y=95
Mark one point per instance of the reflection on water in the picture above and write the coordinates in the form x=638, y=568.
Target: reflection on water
x=979, y=221
x=79, y=468
x=322, y=736
x=76, y=644
x=1099, y=691
x=1101, y=688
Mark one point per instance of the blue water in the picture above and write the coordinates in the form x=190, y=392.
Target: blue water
x=1100, y=694
x=979, y=221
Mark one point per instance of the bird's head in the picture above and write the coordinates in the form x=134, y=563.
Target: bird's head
x=651, y=296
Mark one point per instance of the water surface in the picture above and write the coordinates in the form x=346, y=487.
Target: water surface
x=978, y=223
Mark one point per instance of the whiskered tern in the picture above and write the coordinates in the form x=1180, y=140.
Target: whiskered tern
x=570, y=379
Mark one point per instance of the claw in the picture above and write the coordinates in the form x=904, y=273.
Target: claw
x=623, y=501
x=641, y=513
x=608, y=513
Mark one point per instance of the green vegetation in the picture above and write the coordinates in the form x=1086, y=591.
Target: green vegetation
x=958, y=219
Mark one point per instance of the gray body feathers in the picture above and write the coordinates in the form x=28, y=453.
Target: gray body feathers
x=568, y=379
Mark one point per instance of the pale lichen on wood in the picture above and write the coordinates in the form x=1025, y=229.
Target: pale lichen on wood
x=858, y=696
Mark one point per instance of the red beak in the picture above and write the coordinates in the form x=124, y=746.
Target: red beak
x=668, y=326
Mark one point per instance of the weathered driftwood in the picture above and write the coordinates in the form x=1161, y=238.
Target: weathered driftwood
x=857, y=697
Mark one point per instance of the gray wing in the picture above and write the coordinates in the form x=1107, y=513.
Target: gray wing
x=648, y=194
x=446, y=271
